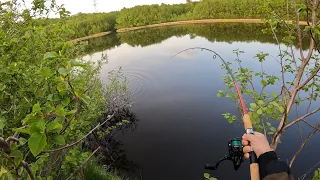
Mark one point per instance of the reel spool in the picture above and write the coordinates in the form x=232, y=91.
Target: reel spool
x=235, y=155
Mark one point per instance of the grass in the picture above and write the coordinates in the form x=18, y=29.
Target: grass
x=96, y=172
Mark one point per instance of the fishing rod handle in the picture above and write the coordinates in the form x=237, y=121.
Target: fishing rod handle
x=254, y=166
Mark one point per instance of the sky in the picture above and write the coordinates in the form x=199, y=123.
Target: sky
x=86, y=6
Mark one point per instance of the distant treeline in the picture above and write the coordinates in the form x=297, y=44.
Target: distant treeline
x=85, y=24
x=232, y=32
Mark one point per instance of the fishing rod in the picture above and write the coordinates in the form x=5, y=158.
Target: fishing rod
x=234, y=145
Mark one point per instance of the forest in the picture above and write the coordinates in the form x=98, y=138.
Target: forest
x=81, y=24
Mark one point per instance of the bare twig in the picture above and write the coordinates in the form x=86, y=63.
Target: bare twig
x=12, y=139
x=304, y=175
x=298, y=124
x=26, y=166
x=312, y=133
x=310, y=78
x=301, y=118
x=315, y=128
x=84, y=137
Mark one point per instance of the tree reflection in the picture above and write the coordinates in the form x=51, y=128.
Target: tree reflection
x=213, y=32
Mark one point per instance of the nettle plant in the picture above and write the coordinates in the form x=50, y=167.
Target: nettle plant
x=297, y=86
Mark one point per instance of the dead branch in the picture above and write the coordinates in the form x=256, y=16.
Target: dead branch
x=84, y=137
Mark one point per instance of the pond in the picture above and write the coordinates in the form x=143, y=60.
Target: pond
x=180, y=127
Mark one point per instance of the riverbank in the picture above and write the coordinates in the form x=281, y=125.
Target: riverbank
x=90, y=37
x=203, y=21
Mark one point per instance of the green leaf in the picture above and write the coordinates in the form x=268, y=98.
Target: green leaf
x=75, y=63
x=2, y=87
x=259, y=111
x=260, y=102
x=46, y=72
x=258, y=120
x=17, y=155
x=36, y=143
x=36, y=108
x=61, y=88
x=269, y=110
x=58, y=140
x=316, y=174
x=64, y=47
x=65, y=101
x=281, y=109
x=207, y=175
x=60, y=111
x=50, y=55
x=253, y=105
x=71, y=112
x=63, y=71
x=36, y=124
x=54, y=127
x=274, y=94
x=273, y=129
x=219, y=95
x=22, y=141
x=13, y=146
x=263, y=82
x=212, y=178
x=21, y=130
x=3, y=171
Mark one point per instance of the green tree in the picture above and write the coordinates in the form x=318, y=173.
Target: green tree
x=297, y=96
x=48, y=96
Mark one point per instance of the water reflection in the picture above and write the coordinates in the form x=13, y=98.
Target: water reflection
x=180, y=125
x=217, y=32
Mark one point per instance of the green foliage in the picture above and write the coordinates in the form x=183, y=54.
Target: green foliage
x=206, y=9
x=81, y=24
x=208, y=176
x=49, y=96
x=316, y=174
x=93, y=171
x=267, y=108
x=264, y=107
x=153, y=14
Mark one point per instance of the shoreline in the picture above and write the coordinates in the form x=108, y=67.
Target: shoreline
x=202, y=21
x=90, y=37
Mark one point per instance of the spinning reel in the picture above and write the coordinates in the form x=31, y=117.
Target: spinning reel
x=235, y=155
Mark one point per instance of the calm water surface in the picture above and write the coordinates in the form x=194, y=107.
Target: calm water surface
x=180, y=125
